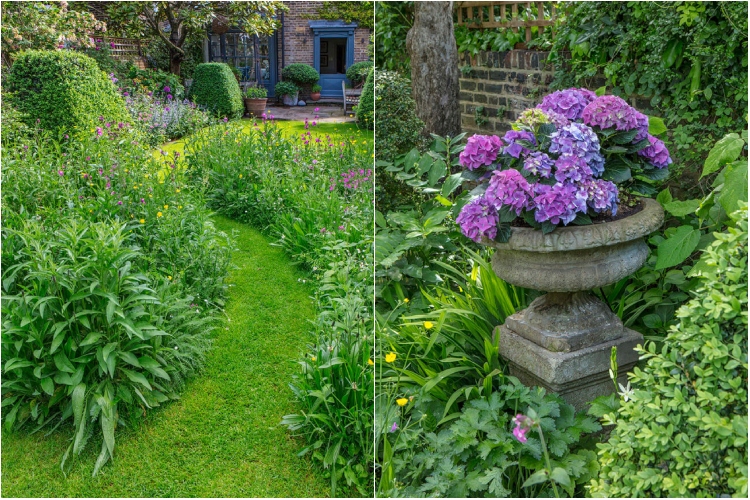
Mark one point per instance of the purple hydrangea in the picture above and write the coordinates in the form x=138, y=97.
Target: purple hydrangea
x=656, y=153
x=480, y=150
x=610, y=111
x=572, y=168
x=561, y=202
x=538, y=163
x=509, y=188
x=569, y=102
x=556, y=119
x=515, y=149
x=478, y=218
x=601, y=195
x=576, y=139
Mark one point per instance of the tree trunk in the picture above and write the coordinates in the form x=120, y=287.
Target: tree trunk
x=434, y=67
x=175, y=60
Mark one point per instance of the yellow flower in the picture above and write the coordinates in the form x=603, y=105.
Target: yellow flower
x=390, y=358
x=151, y=196
x=159, y=214
x=428, y=324
x=142, y=221
x=177, y=191
x=169, y=278
x=126, y=170
x=166, y=207
x=460, y=289
x=179, y=206
x=406, y=301
x=313, y=358
x=240, y=176
x=369, y=362
x=135, y=187
x=146, y=176
x=402, y=401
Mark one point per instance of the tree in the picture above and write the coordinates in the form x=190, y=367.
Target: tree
x=434, y=67
x=176, y=22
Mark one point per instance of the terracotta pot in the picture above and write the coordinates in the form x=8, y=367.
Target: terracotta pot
x=255, y=107
x=315, y=96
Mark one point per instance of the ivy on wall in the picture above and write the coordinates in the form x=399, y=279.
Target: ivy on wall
x=359, y=12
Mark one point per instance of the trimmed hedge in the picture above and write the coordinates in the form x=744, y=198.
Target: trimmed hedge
x=366, y=107
x=300, y=73
x=399, y=127
x=358, y=71
x=216, y=88
x=65, y=90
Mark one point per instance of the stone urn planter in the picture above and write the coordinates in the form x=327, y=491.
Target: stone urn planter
x=290, y=100
x=255, y=107
x=563, y=340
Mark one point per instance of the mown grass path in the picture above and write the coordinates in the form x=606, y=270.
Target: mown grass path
x=223, y=438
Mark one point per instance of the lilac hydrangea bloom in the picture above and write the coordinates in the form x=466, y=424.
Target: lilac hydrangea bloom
x=601, y=195
x=569, y=102
x=538, y=163
x=513, y=148
x=556, y=119
x=478, y=218
x=610, y=111
x=509, y=188
x=560, y=202
x=480, y=150
x=656, y=153
x=576, y=139
x=572, y=168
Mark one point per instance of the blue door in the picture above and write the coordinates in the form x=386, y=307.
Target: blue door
x=333, y=53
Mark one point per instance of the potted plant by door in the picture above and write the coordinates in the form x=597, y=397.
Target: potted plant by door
x=551, y=208
x=288, y=91
x=302, y=75
x=357, y=73
x=255, y=100
x=315, y=94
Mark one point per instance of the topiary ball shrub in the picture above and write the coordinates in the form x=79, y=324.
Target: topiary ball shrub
x=65, y=91
x=682, y=432
x=366, y=106
x=300, y=73
x=215, y=88
x=357, y=72
x=399, y=128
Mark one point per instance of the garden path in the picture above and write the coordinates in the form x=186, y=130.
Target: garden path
x=223, y=437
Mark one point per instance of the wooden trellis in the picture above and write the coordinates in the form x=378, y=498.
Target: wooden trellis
x=125, y=48
x=514, y=15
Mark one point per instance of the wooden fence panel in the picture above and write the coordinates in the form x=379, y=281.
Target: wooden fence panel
x=492, y=15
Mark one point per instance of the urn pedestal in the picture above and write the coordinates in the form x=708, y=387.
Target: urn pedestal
x=562, y=341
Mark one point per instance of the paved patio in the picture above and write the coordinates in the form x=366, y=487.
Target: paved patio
x=327, y=112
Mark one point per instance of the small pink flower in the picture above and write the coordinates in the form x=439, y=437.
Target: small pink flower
x=323, y=230
x=317, y=109
x=60, y=173
x=119, y=202
x=394, y=427
x=341, y=228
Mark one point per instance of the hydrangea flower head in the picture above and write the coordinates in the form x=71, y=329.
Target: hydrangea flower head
x=610, y=111
x=561, y=202
x=577, y=139
x=539, y=163
x=531, y=118
x=569, y=102
x=480, y=150
x=515, y=149
x=478, y=218
x=601, y=195
x=656, y=153
x=509, y=188
x=572, y=168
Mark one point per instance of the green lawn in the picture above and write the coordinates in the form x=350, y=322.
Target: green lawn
x=223, y=437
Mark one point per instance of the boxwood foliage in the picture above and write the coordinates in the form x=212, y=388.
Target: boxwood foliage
x=366, y=107
x=683, y=430
x=216, y=88
x=300, y=73
x=65, y=90
x=399, y=128
x=357, y=72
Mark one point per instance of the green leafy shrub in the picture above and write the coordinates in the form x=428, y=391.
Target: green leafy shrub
x=216, y=88
x=357, y=72
x=285, y=88
x=256, y=93
x=300, y=73
x=14, y=127
x=152, y=80
x=65, y=91
x=682, y=431
x=87, y=336
x=396, y=121
x=366, y=106
x=157, y=54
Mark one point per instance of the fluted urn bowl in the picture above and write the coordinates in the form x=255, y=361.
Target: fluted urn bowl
x=577, y=258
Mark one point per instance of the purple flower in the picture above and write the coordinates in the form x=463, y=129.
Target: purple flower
x=515, y=149
x=480, y=150
x=560, y=202
x=119, y=202
x=169, y=97
x=125, y=94
x=509, y=188
x=166, y=108
x=572, y=168
x=99, y=131
x=577, y=139
x=341, y=228
x=394, y=427
x=568, y=102
x=538, y=163
x=601, y=195
x=657, y=153
x=60, y=173
x=225, y=118
x=478, y=218
x=610, y=111
x=523, y=426
x=167, y=89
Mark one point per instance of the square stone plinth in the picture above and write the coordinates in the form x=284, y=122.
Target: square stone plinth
x=578, y=376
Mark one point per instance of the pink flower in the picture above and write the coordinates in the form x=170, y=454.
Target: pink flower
x=341, y=228
x=480, y=150
x=317, y=109
x=323, y=230
x=523, y=426
x=99, y=131
x=61, y=173
x=394, y=427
